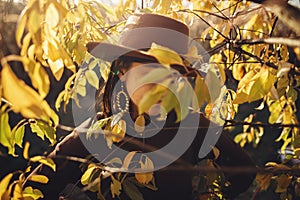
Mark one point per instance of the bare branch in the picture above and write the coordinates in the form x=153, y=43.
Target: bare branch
x=277, y=125
x=273, y=40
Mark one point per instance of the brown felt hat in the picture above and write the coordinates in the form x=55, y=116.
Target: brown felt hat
x=140, y=31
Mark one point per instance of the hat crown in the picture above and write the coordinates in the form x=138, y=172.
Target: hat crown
x=138, y=35
x=142, y=30
x=155, y=20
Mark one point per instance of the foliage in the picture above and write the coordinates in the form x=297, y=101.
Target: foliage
x=52, y=36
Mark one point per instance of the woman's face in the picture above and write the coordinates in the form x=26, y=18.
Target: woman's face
x=132, y=76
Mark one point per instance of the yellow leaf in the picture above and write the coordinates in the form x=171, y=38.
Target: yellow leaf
x=128, y=159
x=23, y=98
x=18, y=134
x=5, y=134
x=57, y=68
x=119, y=131
x=26, y=150
x=32, y=193
x=86, y=177
x=144, y=178
x=52, y=16
x=39, y=178
x=26, y=43
x=139, y=124
x=254, y=86
x=46, y=161
x=18, y=191
x=92, y=78
x=238, y=71
x=213, y=84
x=21, y=26
x=4, y=183
x=42, y=130
x=34, y=18
x=164, y=55
x=150, y=98
x=115, y=187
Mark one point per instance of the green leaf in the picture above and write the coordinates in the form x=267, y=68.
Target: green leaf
x=92, y=78
x=18, y=134
x=131, y=190
x=42, y=130
x=5, y=132
x=46, y=161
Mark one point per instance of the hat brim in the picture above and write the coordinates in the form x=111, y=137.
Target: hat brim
x=110, y=52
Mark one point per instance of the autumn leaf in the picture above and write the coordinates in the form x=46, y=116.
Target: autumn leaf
x=139, y=124
x=4, y=183
x=31, y=193
x=39, y=178
x=164, y=55
x=24, y=99
x=85, y=178
x=92, y=78
x=43, y=160
x=115, y=187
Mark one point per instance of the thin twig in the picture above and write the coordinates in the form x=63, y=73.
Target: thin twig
x=277, y=125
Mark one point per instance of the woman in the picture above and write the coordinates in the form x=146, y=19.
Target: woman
x=123, y=94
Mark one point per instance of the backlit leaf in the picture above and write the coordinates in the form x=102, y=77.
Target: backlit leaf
x=39, y=178
x=21, y=26
x=18, y=135
x=32, y=105
x=115, y=187
x=6, y=132
x=26, y=150
x=164, y=55
x=128, y=159
x=92, y=78
x=52, y=16
x=42, y=130
x=29, y=192
x=139, y=124
x=85, y=179
x=46, y=161
x=4, y=183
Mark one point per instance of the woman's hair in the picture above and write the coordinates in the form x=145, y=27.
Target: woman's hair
x=103, y=96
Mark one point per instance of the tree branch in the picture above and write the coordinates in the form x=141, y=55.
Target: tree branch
x=277, y=125
x=273, y=40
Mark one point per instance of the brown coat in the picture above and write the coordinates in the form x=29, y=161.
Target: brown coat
x=171, y=184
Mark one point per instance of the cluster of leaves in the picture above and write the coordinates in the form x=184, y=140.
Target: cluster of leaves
x=15, y=190
x=52, y=36
x=119, y=180
x=285, y=185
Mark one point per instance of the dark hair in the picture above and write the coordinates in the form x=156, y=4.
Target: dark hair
x=103, y=96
